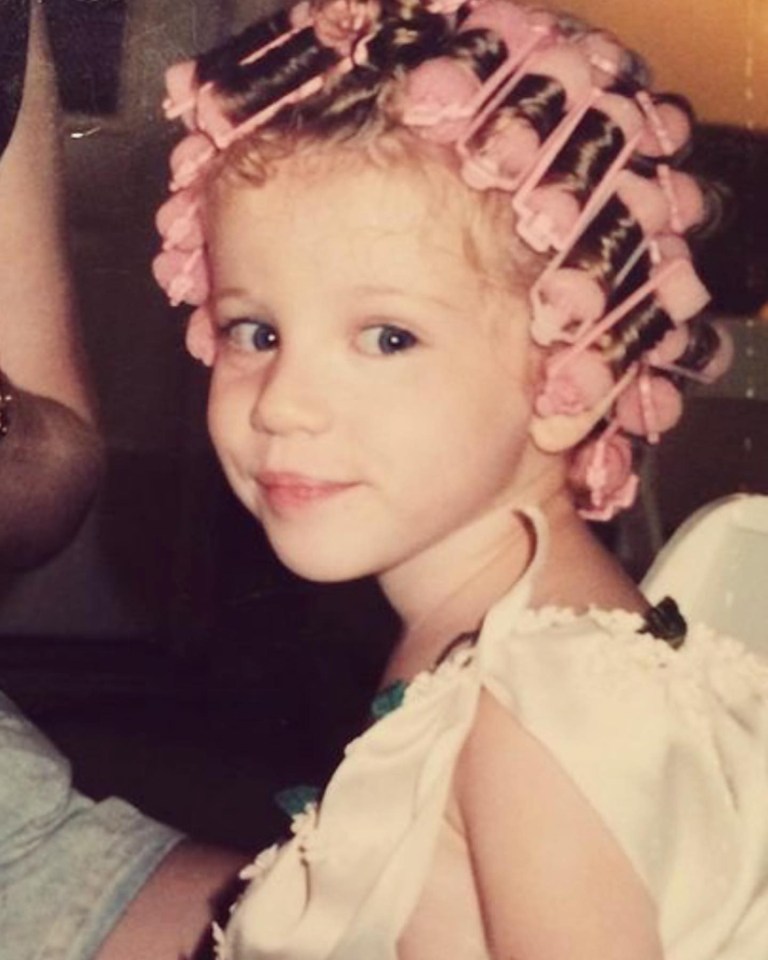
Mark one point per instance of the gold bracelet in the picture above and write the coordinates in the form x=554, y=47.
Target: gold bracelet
x=6, y=402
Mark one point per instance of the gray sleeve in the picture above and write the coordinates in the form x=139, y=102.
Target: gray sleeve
x=68, y=866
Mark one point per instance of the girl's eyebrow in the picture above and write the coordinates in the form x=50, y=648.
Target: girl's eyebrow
x=388, y=290
x=233, y=293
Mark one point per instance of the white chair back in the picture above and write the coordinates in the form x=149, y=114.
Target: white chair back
x=715, y=567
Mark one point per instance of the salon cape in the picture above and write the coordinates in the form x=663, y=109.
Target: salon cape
x=669, y=746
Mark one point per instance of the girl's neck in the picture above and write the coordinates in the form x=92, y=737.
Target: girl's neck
x=448, y=590
x=450, y=593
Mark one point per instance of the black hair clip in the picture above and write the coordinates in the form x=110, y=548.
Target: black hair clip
x=665, y=622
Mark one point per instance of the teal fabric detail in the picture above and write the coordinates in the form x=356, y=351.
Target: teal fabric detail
x=295, y=800
x=388, y=699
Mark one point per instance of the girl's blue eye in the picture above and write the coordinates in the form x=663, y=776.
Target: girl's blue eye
x=386, y=339
x=253, y=335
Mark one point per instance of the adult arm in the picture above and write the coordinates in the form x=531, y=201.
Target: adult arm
x=172, y=914
x=50, y=459
x=80, y=879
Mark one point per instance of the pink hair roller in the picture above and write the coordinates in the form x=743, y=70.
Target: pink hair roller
x=511, y=24
x=670, y=348
x=211, y=118
x=604, y=467
x=568, y=67
x=552, y=214
x=511, y=150
x=646, y=201
x=181, y=86
x=178, y=221
x=681, y=294
x=686, y=201
x=668, y=129
x=188, y=158
x=548, y=219
x=575, y=386
x=183, y=275
x=437, y=99
x=649, y=407
x=606, y=56
x=566, y=302
x=446, y=7
x=503, y=158
x=340, y=24
x=722, y=359
x=200, y=338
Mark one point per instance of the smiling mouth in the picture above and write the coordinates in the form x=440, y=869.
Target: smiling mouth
x=287, y=490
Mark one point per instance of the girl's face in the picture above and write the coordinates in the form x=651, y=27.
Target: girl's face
x=371, y=395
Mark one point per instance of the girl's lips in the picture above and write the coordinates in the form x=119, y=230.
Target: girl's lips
x=291, y=490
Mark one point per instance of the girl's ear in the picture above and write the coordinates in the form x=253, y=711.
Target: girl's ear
x=201, y=337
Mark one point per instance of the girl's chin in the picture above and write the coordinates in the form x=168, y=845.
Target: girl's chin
x=326, y=556
x=322, y=569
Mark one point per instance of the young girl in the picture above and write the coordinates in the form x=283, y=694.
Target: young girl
x=437, y=255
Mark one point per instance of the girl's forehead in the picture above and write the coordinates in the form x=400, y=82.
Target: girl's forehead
x=349, y=191
x=346, y=198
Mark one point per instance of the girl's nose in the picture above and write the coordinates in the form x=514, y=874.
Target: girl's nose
x=292, y=397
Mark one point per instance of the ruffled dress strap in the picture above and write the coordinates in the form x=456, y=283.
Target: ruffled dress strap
x=506, y=612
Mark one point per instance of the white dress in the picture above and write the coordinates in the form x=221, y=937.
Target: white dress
x=669, y=746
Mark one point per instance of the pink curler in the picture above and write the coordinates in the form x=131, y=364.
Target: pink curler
x=511, y=23
x=563, y=431
x=189, y=158
x=604, y=467
x=576, y=387
x=667, y=247
x=503, y=158
x=649, y=407
x=667, y=354
x=550, y=149
x=446, y=7
x=210, y=115
x=605, y=54
x=183, y=275
x=568, y=67
x=341, y=24
x=200, y=339
x=670, y=348
x=565, y=302
x=722, y=359
x=300, y=15
x=181, y=87
x=646, y=201
x=536, y=226
x=501, y=164
x=437, y=99
x=552, y=213
x=178, y=221
x=686, y=201
x=680, y=292
x=593, y=334
x=668, y=129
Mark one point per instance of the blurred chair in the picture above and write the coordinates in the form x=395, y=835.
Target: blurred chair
x=716, y=568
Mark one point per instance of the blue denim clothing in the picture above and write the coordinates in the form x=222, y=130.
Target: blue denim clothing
x=68, y=866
